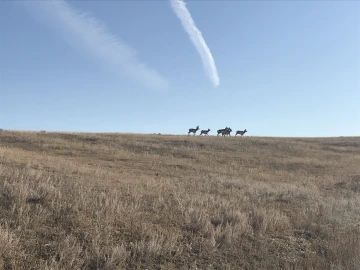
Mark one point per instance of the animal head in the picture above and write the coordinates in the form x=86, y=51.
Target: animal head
x=245, y=130
x=208, y=129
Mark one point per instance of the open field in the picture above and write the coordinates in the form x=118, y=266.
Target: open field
x=122, y=201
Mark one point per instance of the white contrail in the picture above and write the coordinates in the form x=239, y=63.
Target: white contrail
x=196, y=37
x=88, y=34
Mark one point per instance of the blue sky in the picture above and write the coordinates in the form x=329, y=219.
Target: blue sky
x=286, y=68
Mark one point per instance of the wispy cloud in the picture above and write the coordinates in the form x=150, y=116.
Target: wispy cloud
x=89, y=35
x=196, y=37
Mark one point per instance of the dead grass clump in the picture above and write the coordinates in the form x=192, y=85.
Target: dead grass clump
x=11, y=255
x=355, y=183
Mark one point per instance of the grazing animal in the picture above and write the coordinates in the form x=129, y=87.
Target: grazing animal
x=221, y=131
x=241, y=132
x=205, y=132
x=227, y=132
x=193, y=130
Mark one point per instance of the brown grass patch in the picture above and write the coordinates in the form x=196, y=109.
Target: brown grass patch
x=122, y=201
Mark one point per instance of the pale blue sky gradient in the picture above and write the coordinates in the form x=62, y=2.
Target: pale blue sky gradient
x=286, y=68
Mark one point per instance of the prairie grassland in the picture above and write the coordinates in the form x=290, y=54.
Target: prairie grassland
x=125, y=201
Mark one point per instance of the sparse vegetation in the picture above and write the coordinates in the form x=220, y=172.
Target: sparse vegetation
x=113, y=201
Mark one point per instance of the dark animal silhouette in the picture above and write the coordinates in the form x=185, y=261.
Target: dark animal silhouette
x=240, y=132
x=227, y=132
x=193, y=130
x=205, y=132
x=221, y=131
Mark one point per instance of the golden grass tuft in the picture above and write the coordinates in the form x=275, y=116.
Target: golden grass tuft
x=123, y=201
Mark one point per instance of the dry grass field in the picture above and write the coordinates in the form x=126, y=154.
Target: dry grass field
x=125, y=201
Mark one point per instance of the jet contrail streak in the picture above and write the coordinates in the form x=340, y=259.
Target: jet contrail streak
x=89, y=35
x=197, y=39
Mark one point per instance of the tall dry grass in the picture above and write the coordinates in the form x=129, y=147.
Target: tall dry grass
x=117, y=201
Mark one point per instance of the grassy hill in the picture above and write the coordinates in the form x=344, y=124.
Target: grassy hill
x=125, y=201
